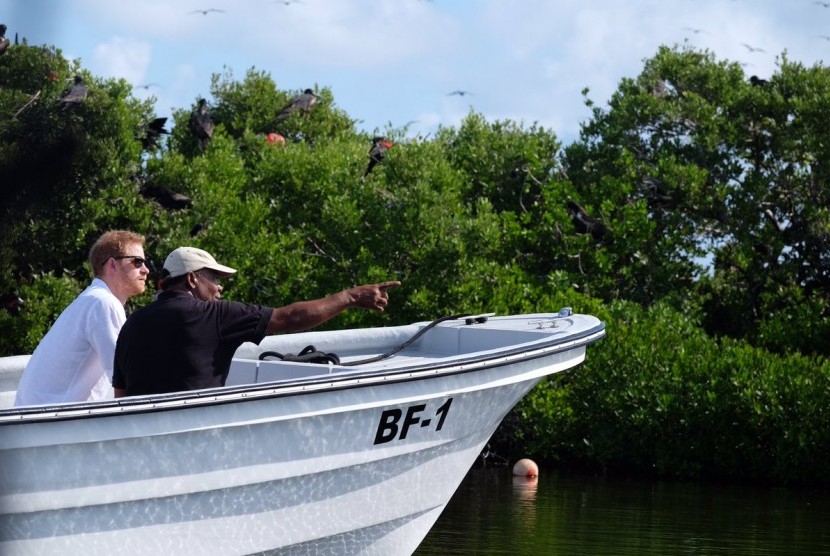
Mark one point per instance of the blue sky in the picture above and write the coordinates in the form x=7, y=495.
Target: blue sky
x=389, y=62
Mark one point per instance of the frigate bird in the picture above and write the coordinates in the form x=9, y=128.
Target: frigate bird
x=302, y=102
x=76, y=94
x=207, y=11
x=153, y=132
x=166, y=197
x=11, y=302
x=4, y=42
x=584, y=224
x=201, y=124
x=377, y=152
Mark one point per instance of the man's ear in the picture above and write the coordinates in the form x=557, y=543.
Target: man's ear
x=110, y=264
x=191, y=280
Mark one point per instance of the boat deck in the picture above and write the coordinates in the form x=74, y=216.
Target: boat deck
x=448, y=342
x=451, y=340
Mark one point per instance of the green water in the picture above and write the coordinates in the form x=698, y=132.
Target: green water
x=495, y=513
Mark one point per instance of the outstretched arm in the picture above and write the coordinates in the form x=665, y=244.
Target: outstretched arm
x=303, y=315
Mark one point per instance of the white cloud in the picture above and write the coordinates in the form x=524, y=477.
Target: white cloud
x=359, y=35
x=395, y=60
x=122, y=57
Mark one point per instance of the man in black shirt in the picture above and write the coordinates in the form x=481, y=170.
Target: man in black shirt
x=186, y=338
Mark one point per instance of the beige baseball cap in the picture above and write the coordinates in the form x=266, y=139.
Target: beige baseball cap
x=182, y=260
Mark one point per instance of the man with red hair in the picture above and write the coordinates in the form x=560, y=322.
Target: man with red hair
x=74, y=361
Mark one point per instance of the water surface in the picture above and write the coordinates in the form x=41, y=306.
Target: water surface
x=494, y=513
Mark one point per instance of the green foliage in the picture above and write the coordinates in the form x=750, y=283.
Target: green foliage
x=66, y=168
x=713, y=277
x=502, y=161
x=725, y=172
x=659, y=397
x=46, y=297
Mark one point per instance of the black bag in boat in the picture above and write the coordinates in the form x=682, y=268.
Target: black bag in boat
x=309, y=354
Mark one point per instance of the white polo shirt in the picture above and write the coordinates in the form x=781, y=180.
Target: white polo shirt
x=74, y=361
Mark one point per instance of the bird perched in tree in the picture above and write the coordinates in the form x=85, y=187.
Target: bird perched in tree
x=76, y=94
x=757, y=81
x=201, y=124
x=166, y=197
x=377, y=152
x=197, y=229
x=4, y=42
x=11, y=302
x=657, y=194
x=584, y=224
x=302, y=102
x=152, y=133
x=658, y=90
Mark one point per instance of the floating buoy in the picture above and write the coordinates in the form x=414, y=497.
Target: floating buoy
x=526, y=468
x=524, y=488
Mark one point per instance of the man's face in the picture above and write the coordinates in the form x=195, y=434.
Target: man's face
x=207, y=287
x=132, y=270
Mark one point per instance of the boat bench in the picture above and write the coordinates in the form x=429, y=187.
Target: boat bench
x=246, y=371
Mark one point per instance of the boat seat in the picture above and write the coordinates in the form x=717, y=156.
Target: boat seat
x=246, y=371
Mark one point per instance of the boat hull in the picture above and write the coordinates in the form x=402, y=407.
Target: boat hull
x=354, y=465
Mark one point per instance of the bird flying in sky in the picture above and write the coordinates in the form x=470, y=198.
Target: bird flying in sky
x=153, y=132
x=752, y=48
x=207, y=11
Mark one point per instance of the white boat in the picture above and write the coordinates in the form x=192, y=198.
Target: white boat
x=289, y=457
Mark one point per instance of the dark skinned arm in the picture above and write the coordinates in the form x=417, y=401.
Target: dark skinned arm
x=303, y=315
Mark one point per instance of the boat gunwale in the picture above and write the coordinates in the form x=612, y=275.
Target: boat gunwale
x=282, y=388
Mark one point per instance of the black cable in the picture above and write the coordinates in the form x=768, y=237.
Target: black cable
x=310, y=354
x=404, y=345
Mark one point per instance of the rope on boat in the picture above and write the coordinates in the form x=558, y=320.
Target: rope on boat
x=310, y=354
x=488, y=454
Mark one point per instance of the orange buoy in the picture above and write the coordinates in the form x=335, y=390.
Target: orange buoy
x=526, y=468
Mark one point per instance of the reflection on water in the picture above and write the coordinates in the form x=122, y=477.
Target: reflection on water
x=524, y=499
x=495, y=513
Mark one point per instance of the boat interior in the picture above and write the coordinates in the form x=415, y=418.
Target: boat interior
x=360, y=350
